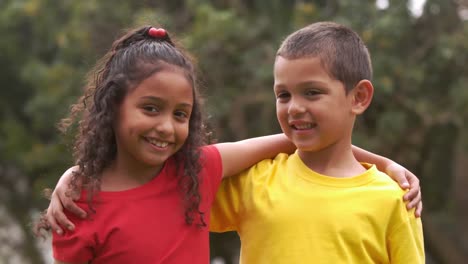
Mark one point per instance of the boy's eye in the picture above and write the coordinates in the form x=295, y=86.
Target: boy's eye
x=282, y=95
x=312, y=92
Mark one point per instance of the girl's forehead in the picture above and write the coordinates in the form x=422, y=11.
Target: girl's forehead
x=167, y=85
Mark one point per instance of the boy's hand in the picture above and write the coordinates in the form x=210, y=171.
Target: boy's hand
x=406, y=179
x=61, y=198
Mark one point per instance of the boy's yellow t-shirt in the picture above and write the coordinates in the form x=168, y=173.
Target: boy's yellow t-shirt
x=286, y=213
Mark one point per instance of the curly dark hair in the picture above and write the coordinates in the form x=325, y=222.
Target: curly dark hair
x=132, y=58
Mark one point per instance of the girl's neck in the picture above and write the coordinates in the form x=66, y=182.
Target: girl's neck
x=119, y=176
x=333, y=161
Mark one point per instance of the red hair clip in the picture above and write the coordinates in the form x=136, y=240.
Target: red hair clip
x=157, y=32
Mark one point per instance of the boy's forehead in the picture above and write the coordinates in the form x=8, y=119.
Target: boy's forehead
x=301, y=60
x=300, y=71
x=303, y=65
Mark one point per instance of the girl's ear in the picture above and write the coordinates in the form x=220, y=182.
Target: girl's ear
x=361, y=96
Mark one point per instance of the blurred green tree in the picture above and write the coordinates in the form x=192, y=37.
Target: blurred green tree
x=418, y=116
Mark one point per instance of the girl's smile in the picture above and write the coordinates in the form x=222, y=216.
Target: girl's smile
x=153, y=120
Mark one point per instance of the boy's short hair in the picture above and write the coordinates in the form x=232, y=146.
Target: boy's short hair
x=341, y=51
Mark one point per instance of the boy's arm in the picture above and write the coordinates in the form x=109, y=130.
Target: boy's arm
x=405, y=178
x=240, y=155
x=62, y=198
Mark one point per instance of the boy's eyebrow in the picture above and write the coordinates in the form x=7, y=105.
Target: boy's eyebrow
x=303, y=84
x=312, y=83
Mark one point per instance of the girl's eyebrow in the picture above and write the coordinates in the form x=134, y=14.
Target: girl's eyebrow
x=159, y=99
x=152, y=98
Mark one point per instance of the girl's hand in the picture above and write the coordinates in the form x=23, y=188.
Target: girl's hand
x=406, y=179
x=63, y=197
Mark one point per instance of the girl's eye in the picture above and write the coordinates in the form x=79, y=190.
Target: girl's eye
x=181, y=115
x=151, y=109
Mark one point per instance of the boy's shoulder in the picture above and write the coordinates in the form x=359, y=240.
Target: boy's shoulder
x=267, y=167
x=280, y=159
x=386, y=185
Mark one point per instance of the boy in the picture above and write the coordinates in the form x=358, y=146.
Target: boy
x=319, y=205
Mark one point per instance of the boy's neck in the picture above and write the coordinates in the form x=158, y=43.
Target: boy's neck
x=333, y=162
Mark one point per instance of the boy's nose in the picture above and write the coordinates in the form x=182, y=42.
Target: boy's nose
x=295, y=107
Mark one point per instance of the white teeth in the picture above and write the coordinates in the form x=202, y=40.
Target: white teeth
x=305, y=126
x=159, y=144
x=162, y=144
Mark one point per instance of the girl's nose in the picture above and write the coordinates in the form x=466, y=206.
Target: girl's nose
x=164, y=126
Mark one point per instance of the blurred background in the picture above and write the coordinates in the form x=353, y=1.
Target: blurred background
x=418, y=116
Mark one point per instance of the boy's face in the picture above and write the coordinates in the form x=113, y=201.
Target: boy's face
x=312, y=108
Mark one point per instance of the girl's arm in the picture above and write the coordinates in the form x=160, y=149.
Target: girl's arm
x=60, y=262
x=240, y=155
x=398, y=173
x=236, y=156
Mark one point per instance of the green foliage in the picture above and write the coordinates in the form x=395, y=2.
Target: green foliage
x=419, y=112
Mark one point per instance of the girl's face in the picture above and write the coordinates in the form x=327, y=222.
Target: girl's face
x=153, y=120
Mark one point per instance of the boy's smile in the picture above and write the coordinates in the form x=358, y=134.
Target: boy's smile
x=313, y=109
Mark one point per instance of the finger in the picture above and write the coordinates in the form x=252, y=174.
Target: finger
x=53, y=224
x=414, y=190
x=73, y=208
x=412, y=179
x=398, y=173
x=400, y=177
x=419, y=209
x=63, y=220
x=414, y=202
x=414, y=186
x=403, y=182
x=67, y=198
x=55, y=213
x=411, y=194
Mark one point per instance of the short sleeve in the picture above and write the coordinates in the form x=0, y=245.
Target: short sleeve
x=212, y=169
x=230, y=198
x=226, y=207
x=236, y=193
x=74, y=246
x=406, y=242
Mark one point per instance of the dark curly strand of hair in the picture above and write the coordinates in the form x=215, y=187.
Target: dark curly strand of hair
x=132, y=58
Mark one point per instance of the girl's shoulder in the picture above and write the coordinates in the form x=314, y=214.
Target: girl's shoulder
x=211, y=170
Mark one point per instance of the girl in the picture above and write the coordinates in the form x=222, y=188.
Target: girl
x=148, y=184
x=139, y=158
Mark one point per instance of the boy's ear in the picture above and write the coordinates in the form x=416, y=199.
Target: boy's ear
x=361, y=96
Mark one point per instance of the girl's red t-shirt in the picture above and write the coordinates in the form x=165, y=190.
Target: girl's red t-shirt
x=145, y=224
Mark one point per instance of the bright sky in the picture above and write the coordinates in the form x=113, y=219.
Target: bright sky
x=416, y=6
